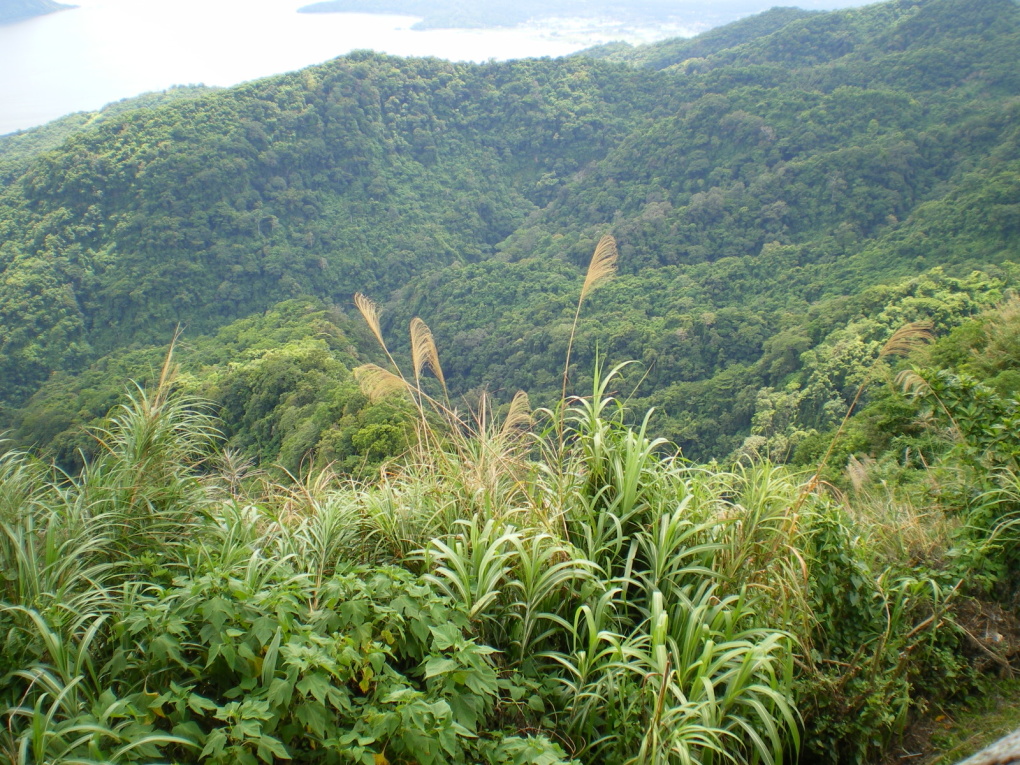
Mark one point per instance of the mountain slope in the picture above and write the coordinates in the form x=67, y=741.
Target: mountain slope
x=669, y=52
x=752, y=189
x=772, y=188
x=354, y=175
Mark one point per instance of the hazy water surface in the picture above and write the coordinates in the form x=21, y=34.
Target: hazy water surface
x=106, y=50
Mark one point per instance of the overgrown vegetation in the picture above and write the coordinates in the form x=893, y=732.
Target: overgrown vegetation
x=314, y=541
x=536, y=587
x=765, y=182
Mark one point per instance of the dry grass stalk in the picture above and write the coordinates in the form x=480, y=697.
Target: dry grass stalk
x=377, y=383
x=912, y=384
x=518, y=417
x=908, y=338
x=601, y=268
x=370, y=313
x=898, y=531
x=424, y=352
x=602, y=265
x=858, y=471
x=168, y=373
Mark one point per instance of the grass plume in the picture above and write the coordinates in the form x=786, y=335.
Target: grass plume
x=377, y=383
x=908, y=338
x=518, y=416
x=601, y=268
x=370, y=313
x=424, y=352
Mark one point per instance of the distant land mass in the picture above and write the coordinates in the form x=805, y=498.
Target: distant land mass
x=772, y=187
x=665, y=53
x=487, y=13
x=779, y=265
x=490, y=13
x=17, y=10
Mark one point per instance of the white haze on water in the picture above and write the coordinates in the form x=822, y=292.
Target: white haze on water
x=106, y=50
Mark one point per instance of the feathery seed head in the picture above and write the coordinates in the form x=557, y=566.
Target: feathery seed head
x=370, y=312
x=377, y=383
x=907, y=338
x=518, y=416
x=602, y=266
x=424, y=352
x=911, y=383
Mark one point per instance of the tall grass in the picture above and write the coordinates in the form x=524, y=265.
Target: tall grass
x=638, y=608
x=554, y=585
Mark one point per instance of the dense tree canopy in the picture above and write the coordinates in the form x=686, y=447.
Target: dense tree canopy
x=289, y=539
x=761, y=181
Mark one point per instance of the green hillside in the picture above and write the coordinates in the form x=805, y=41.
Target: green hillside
x=705, y=451
x=17, y=149
x=757, y=188
x=668, y=52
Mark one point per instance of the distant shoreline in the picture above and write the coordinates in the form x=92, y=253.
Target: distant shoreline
x=490, y=14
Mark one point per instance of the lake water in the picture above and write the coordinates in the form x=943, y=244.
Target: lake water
x=105, y=50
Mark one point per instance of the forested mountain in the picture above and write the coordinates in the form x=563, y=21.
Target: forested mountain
x=316, y=530
x=19, y=148
x=761, y=181
x=662, y=54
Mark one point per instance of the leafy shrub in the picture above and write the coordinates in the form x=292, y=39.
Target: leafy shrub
x=266, y=664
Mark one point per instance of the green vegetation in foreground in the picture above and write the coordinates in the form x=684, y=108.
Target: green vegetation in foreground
x=533, y=587
x=287, y=549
